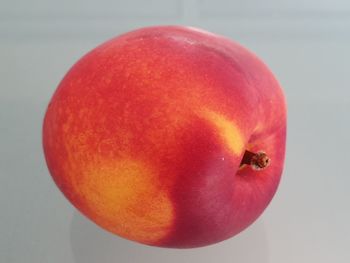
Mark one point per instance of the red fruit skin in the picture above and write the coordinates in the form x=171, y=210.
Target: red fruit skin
x=145, y=135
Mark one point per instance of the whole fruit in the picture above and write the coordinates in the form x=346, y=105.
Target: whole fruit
x=163, y=136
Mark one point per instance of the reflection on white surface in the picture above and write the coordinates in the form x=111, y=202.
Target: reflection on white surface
x=91, y=244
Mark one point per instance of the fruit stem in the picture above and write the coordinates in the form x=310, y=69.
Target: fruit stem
x=258, y=160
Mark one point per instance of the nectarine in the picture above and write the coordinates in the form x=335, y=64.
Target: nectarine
x=163, y=136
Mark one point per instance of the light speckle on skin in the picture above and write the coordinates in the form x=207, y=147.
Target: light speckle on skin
x=201, y=31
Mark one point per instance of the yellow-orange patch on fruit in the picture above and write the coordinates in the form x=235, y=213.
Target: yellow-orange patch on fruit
x=126, y=198
x=227, y=130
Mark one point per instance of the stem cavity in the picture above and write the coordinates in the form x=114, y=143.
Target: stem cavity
x=258, y=161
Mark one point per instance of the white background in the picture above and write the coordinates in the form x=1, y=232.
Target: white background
x=305, y=42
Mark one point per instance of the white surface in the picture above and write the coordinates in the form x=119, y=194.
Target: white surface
x=307, y=45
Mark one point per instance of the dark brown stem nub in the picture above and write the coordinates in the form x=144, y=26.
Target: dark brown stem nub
x=258, y=160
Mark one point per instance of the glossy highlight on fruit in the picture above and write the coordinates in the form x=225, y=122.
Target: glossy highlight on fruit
x=151, y=135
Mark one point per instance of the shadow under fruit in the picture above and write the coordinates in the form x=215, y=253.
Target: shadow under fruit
x=163, y=136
